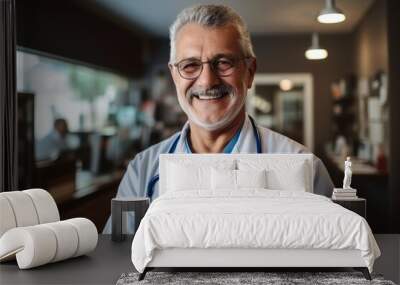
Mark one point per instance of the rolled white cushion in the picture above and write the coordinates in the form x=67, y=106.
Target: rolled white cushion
x=7, y=218
x=23, y=208
x=40, y=244
x=26, y=208
x=87, y=235
x=45, y=205
x=33, y=246
x=67, y=240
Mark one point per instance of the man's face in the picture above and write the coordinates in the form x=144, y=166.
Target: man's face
x=62, y=128
x=212, y=100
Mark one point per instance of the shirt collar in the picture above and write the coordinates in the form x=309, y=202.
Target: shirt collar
x=242, y=142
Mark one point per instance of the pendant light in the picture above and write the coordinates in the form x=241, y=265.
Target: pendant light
x=286, y=84
x=330, y=14
x=314, y=52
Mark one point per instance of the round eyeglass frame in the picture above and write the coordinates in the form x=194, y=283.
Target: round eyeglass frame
x=216, y=72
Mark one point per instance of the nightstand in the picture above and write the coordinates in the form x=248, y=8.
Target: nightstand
x=357, y=205
x=138, y=205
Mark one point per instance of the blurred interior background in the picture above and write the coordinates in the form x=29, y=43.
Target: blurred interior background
x=94, y=89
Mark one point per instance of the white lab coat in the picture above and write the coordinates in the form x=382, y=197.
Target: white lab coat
x=145, y=165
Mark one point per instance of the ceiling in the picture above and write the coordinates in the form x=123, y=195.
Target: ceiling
x=262, y=16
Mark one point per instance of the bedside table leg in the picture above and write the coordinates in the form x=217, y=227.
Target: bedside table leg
x=140, y=211
x=116, y=221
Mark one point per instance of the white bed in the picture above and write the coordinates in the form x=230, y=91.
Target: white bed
x=202, y=220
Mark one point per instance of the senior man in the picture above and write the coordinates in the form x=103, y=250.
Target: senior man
x=212, y=64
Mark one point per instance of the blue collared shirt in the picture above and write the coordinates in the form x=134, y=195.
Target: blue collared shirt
x=227, y=149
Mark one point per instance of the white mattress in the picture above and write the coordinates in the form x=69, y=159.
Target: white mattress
x=253, y=218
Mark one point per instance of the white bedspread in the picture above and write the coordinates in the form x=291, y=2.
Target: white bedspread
x=253, y=218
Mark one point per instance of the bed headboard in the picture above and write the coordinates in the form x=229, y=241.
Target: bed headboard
x=282, y=163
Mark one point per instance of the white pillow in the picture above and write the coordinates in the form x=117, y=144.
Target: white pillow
x=237, y=179
x=251, y=178
x=187, y=175
x=183, y=177
x=295, y=181
x=223, y=179
x=292, y=175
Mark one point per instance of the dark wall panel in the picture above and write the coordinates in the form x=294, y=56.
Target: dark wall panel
x=371, y=41
x=393, y=11
x=8, y=99
x=377, y=47
x=68, y=29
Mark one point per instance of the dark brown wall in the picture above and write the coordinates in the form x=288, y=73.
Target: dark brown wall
x=377, y=48
x=65, y=28
x=285, y=53
x=371, y=41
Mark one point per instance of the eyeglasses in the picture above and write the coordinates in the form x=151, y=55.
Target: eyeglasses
x=191, y=68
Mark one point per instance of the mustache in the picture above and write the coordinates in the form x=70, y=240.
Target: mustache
x=217, y=90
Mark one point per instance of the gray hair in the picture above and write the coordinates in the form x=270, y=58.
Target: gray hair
x=211, y=16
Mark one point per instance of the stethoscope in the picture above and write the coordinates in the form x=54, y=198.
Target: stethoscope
x=154, y=179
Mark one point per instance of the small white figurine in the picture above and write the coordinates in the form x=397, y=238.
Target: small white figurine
x=347, y=174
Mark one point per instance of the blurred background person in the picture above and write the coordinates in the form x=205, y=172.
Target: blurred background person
x=56, y=142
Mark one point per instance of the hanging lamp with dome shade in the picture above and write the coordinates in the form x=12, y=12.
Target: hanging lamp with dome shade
x=331, y=14
x=315, y=52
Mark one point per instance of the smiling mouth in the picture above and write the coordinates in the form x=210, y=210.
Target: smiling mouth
x=214, y=93
x=210, y=96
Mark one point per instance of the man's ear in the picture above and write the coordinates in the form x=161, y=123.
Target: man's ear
x=251, y=68
x=171, y=70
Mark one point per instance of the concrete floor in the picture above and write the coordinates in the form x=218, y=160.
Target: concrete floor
x=388, y=263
